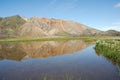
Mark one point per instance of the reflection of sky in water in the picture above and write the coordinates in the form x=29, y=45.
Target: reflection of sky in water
x=84, y=65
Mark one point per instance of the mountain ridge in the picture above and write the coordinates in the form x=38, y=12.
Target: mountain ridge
x=35, y=27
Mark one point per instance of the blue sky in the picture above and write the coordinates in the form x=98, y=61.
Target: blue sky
x=100, y=14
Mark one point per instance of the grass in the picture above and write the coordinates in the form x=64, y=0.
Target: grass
x=57, y=77
x=109, y=49
x=87, y=39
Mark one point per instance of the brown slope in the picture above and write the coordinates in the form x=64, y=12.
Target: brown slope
x=70, y=27
x=30, y=30
x=37, y=27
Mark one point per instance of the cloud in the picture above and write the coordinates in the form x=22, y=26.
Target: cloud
x=114, y=26
x=117, y=24
x=117, y=5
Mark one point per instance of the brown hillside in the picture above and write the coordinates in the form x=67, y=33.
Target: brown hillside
x=37, y=27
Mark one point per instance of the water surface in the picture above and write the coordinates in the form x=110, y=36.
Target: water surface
x=54, y=60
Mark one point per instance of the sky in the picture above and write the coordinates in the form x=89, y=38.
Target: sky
x=99, y=14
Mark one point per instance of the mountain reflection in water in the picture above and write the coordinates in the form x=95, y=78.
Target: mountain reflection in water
x=35, y=61
x=23, y=50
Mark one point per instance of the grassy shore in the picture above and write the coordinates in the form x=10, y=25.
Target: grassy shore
x=48, y=39
x=86, y=39
x=109, y=48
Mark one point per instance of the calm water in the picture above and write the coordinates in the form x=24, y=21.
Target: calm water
x=54, y=60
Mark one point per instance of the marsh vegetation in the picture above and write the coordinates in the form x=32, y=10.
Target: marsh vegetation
x=110, y=49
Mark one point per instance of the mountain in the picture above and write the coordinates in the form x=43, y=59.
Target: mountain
x=21, y=27
x=110, y=33
x=9, y=26
x=37, y=27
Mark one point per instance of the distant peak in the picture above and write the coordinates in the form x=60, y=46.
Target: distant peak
x=111, y=30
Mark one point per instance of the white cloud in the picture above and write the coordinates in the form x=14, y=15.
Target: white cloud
x=117, y=5
x=114, y=26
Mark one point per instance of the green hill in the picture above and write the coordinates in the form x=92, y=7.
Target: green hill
x=110, y=33
x=9, y=26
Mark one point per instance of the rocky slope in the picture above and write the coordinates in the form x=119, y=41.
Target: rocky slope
x=20, y=27
x=37, y=27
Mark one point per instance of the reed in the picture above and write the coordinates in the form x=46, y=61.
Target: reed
x=109, y=49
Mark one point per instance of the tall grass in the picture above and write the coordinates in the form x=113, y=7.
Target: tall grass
x=110, y=49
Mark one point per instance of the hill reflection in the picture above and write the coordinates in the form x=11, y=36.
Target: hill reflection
x=23, y=50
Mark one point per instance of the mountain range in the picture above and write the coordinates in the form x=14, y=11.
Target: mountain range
x=21, y=27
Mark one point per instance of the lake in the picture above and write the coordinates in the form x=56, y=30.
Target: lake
x=54, y=60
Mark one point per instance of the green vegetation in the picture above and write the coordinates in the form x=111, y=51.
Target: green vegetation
x=9, y=26
x=12, y=22
x=87, y=39
x=110, y=33
x=62, y=34
x=110, y=49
